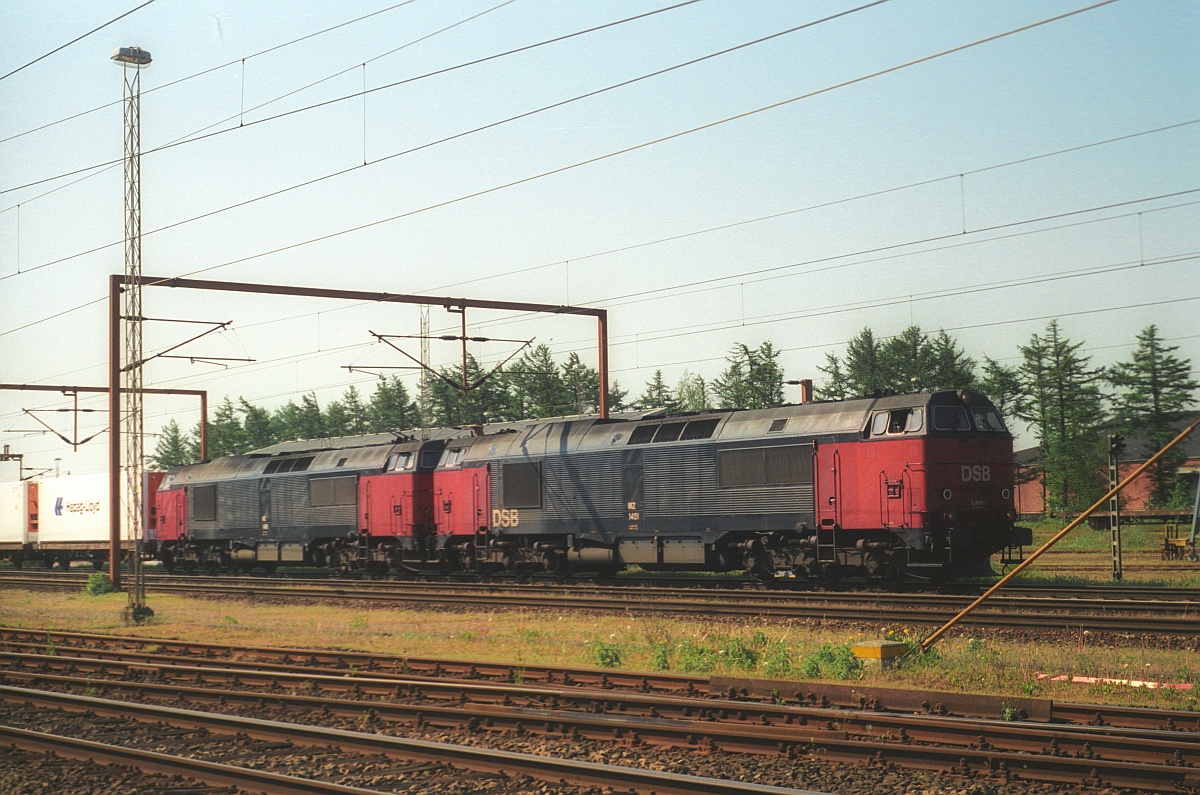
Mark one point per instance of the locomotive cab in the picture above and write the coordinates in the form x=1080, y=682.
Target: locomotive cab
x=945, y=481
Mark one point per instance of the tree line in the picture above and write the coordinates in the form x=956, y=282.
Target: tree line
x=1068, y=404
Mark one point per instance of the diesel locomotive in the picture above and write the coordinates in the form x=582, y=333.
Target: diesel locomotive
x=917, y=485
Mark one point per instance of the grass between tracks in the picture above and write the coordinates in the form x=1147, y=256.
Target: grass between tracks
x=1084, y=557
x=976, y=661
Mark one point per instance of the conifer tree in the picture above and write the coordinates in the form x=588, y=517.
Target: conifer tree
x=950, y=367
x=172, y=448
x=486, y=399
x=335, y=420
x=657, y=394
x=1156, y=391
x=864, y=369
x=257, y=426
x=391, y=407
x=753, y=379
x=909, y=362
x=285, y=422
x=837, y=385
x=1002, y=385
x=582, y=385
x=225, y=433
x=536, y=386
x=905, y=362
x=616, y=396
x=309, y=422
x=1064, y=406
x=357, y=421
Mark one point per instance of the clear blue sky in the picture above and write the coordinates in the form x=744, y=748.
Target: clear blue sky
x=768, y=211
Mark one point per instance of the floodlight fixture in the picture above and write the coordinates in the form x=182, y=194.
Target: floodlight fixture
x=134, y=57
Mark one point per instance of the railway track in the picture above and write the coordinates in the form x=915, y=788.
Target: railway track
x=256, y=739
x=1176, y=617
x=683, y=584
x=100, y=647
x=1083, y=745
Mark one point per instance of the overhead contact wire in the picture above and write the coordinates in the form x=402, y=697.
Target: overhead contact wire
x=73, y=41
x=204, y=71
x=456, y=136
x=357, y=94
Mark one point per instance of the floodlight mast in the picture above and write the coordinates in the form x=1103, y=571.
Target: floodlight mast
x=129, y=381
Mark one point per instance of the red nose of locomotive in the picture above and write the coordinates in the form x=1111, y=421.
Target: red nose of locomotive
x=970, y=476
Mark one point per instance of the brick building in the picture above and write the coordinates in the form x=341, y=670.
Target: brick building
x=1030, y=497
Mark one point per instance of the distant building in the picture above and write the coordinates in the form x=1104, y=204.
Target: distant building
x=1031, y=499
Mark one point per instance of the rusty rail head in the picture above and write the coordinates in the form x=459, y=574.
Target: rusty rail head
x=932, y=639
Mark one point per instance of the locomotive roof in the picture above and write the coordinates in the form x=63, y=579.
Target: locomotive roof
x=614, y=416
x=538, y=437
x=364, y=440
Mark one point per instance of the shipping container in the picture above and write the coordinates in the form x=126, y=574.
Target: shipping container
x=15, y=515
x=75, y=512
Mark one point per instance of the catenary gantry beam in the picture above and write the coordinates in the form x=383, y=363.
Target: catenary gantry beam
x=68, y=389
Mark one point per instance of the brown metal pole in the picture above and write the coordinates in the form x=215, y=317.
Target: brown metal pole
x=602, y=361
x=464, y=354
x=114, y=428
x=932, y=639
x=204, y=426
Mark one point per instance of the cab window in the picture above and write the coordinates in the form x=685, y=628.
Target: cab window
x=987, y=420
x=898, y=421
x=950, y=418
x=879, y=424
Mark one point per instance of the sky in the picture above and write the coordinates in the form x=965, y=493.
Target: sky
x=863, y=165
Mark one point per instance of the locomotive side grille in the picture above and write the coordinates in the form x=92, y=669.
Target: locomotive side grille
x=237, y=506
x=683, y=481
x=583, y=485
x=290, y=506
x=204, y=503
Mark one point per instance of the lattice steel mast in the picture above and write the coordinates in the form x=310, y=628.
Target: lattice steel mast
x=424, y=396
x=133, y=59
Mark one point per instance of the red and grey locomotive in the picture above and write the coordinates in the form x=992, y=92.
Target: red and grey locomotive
x=917, y=485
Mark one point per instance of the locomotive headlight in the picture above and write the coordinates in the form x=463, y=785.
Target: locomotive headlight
x=1005, y=493
x=951, y=518
x=946, y=495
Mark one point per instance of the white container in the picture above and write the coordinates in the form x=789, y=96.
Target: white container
x=14, y=513
x=74, y=510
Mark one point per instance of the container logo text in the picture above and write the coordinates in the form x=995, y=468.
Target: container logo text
x=76, y=507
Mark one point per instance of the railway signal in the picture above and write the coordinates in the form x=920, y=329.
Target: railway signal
x=1116, y=446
